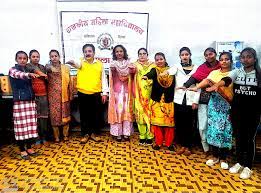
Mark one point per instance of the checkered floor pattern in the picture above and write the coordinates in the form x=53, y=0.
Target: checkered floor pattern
x=112, y=166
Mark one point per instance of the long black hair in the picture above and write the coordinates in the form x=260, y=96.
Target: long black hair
x=252, y=51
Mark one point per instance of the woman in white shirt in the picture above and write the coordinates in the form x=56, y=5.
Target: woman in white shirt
x=185, y=100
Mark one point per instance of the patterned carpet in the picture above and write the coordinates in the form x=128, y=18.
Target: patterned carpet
x=112, y=166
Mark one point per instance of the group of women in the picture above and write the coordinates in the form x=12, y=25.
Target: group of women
x=161, y=99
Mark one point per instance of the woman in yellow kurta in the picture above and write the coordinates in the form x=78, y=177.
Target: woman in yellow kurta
x=142, y=96
x=161, y=104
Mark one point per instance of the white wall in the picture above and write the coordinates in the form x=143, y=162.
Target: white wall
x=26, y=25
x=173, y=23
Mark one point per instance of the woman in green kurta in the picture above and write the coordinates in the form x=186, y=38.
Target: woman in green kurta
x=142, y=96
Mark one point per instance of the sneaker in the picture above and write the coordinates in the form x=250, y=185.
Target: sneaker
x=224, y=165
x=142, y=141
x=235, y=169
x=149, y=142
x=212, y=162
x=246, y=173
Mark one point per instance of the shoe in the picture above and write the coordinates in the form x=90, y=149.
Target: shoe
x=148, y=142
x=32, y=152
x=142, y=141
x=235, y=169
x=118, y=138
x=85, y=139
x=246, y=173
x=25, y=156
x=171, y=148
x=156, y=147
x=212, y=162
x=181, y=151
x=224, y=165
x=95, y=138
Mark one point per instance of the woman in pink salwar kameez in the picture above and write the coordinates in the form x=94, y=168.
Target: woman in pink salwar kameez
x=120, y=112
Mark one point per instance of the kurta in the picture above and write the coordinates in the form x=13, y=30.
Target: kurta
x=59, y=96
x=219, y=131
x=142, y=93
x=120, y=111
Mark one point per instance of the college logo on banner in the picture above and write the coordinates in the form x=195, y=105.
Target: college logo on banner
x=105, y=41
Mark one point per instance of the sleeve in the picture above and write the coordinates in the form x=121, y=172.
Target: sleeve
x=48, y=68
x=105, y=86
x=151, y=74
x=233, y=74
x=227, y=81
x=14, y=73
x=190, y=82
x=78, y=64
x=196, y=97
x=31, y=68
x=211, y=75
x=173, y=70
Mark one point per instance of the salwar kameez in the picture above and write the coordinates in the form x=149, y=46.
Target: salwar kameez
x=120, y=112
x=59, y=96
x=142, y=98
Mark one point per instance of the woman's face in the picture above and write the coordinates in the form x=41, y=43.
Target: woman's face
x=54, y=57
x=143, y=56
x=247, y=59
x=21, y=59
x=35, y=58
x=185, y=57
x=119, y=52
x=225, y=61
x=88, y=53
x=160, y=61
x=210, y=56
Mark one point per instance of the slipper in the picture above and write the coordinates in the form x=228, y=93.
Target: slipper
x=25, y=157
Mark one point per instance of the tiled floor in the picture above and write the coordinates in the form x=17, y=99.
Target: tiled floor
x=111, y=166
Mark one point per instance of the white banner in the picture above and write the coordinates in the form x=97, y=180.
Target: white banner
x=104, y=30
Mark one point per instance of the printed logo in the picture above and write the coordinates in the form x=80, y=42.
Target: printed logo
x=105, y=42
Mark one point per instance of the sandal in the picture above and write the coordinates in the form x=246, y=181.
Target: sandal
x=25, y=156
x=32, y=153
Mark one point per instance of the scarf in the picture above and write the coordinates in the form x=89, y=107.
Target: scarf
x=164, y=81
x=204, y=70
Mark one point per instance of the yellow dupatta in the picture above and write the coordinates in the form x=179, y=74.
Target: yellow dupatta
x=65, y=73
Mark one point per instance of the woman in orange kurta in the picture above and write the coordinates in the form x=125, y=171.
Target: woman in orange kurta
x=59, y=95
